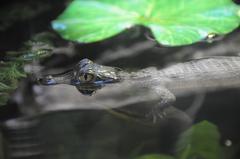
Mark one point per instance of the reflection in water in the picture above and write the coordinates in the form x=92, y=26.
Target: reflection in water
x=89, y=134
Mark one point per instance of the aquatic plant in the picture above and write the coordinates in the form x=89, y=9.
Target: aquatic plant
x=192, y=144
x=12, y=67
x=173, y=23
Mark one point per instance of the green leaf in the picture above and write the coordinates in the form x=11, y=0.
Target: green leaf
x=155, y=156
x=200, y=141
x=172, y=22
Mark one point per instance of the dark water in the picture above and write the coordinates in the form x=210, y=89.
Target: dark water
x=98, y=134
x=92, y=134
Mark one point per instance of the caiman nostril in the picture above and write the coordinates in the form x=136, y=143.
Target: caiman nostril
x=39, y=80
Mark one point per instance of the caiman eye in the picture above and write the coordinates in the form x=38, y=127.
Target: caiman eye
x=86, y=77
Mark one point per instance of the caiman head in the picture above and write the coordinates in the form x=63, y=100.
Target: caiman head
x=87, y=76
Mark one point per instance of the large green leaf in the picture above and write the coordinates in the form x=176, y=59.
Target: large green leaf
x=200, y=141
x=173, y=22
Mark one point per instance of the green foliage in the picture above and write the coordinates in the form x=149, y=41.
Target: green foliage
x=12, y=69
x=173, y=23
x=10, y=72
x=201, y=141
